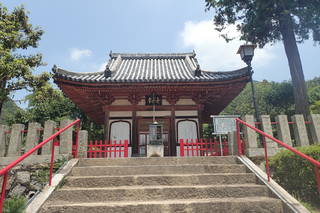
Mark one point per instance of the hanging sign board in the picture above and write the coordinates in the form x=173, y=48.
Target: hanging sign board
x=223, y=124
x=153, y=99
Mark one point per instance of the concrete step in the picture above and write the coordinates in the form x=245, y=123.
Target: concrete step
x=158, y=169
x=158, y=161
x=225, y=205
x=145, y=193
x=149, y=180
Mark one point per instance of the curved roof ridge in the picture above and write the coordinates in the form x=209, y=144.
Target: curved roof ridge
x=237, y=71
x=61, y=71
x=152, y=55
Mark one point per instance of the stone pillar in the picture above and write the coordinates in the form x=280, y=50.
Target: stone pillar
x=267, y=128
x=300, y=130
x=49, y=127
x=66, y=138
x=283, y=129
x=315, y=127
x=250, y=136
x=232, y=143
x=3, y=137
x=15, y=143
x=83, y=144
x=33, y=136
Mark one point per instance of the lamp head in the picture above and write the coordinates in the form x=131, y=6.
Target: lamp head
x=246, y=52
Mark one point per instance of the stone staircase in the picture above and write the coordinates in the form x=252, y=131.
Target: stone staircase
x=170, y=184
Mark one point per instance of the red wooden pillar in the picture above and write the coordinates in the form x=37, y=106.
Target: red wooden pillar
x=173, y=144
x=200, y=118
x=106, y=123
x=135, y=139
x=172, y=99
x=134, y=99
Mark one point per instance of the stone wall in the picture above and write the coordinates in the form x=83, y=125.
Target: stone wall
x=17, y=139
x=294, y=131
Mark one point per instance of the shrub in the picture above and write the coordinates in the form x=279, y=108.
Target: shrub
x=296, y=174
x=14, y=205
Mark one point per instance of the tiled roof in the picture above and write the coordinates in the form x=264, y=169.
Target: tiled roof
x=173, y=67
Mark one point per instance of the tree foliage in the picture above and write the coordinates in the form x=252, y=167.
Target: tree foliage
x=259, y=20
x=10, y=108
x=268, y=21
x=272, y=98
x=16, y=36
x=48, y=103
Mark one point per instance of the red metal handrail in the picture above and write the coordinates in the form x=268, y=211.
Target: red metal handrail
x=5, y=170
x=295, y=151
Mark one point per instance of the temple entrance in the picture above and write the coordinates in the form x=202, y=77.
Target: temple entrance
x=143, y=133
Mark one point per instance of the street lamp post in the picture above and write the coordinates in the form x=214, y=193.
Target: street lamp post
x=247, y=52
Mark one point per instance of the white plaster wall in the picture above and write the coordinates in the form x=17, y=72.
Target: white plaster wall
x=180, y=134
x=121, y=131
x=187, y=113
x=150, y=113
x=185, y=101
x=120, y=102
x=120, y=114
x=165, y=102
x=187, y=129
x=142, y=102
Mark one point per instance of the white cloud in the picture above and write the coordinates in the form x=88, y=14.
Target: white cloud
x=102, y=66
x=213, y=52
x=77, y=54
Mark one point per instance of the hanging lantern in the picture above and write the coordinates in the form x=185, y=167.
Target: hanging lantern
x=155, y=134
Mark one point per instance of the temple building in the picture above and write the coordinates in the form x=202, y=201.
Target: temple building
x=135, y=89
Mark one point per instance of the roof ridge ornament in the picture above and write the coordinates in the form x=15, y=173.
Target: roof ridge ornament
x=196, y=69
x=54, y=68
x=111, y=67
x=190, y=64
x=197, y=72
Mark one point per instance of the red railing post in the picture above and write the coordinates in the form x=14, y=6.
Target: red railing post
x=302, y=155
x=201, y=147
x=126, y=148
x=239, y=138
x=4, y=171
x=181, y=148
x=77, y=140
x=3, y=190
x=90, y=150
x=317, y=177
x=211, y=148
x=266, y=156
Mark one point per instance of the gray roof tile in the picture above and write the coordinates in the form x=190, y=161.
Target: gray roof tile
x=173, y=67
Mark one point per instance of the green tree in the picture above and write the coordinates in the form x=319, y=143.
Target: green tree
x=9, y=109
x=314, y=94
x=16, y=36
x=273, y=98
x=48, y=103
x=315, y=107
x=268, y=21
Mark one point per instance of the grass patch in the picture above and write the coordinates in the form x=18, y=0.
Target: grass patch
x=15, y=205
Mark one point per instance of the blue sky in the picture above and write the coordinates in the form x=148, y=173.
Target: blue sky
x=79, y=35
